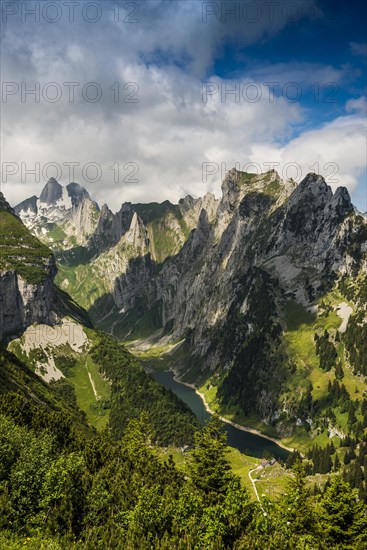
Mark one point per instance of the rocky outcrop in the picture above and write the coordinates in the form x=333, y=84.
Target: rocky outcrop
x=297, y=234
x=22, y=304
x=27, y=270
x=52, y=192
x=4, y=205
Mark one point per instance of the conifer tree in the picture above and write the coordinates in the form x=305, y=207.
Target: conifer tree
x=343, y=518
x=209, y=468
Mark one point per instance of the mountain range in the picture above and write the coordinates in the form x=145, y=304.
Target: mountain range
x=257, y=298
x=52, y=355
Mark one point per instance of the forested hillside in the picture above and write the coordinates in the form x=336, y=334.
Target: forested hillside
x=61, y=490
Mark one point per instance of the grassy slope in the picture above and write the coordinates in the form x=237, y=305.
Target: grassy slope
x=107, y=382
x=21, y=251
x=298, y=342
x=78, y=377
x=85, y=280
x=299, y=339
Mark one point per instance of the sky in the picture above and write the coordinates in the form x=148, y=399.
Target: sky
x=148, y=100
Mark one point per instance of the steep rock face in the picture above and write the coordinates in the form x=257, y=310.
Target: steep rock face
x=23, y=304
x=197, y=283
x=51, y=193
x=27, y=270
x=297, y=234
x=130, y=255
x=191, y=208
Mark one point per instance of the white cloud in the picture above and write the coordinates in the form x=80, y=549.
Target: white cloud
x=358, y=105
x=170, y=132
x=337, y=151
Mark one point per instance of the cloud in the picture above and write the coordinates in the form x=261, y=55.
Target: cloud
x=167, y=138
x=169, y=134
x=358, y=105
x=336, y=150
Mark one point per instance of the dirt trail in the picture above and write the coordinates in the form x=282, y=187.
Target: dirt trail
x=98, y=397
x=253, y=481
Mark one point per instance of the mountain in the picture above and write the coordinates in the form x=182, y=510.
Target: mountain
x=27, y=270
x=61, y=215
x=256, y=288
x=50, y=338
x=280, y=266
x=263, y=306
x=93, y=245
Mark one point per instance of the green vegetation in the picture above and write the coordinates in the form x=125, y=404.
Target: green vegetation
x=22, y=252
x=15, y=376
x=92, y=392
x=110, y=386
x=55, y=233
x=83, y=383
x=167, y=230
x=246, y=177
x=61, y=490
x=84, y=281
x=133, y=390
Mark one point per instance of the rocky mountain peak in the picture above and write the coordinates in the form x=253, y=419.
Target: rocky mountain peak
x=106, y=217
x=313, y=193
x=230, y=184
x=342, y=197
x=315, y=184
x=77, y=193
x=28, y=206
x=312, y=190
x=52, y=192
x=187, y=202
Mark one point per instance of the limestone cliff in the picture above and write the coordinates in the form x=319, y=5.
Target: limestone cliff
x=27, y=270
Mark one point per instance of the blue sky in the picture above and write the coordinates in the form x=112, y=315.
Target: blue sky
x=334, y=37
x=176, y=128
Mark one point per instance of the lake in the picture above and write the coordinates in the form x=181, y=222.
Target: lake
x=246, y=442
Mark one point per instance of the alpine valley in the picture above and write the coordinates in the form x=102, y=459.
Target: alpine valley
x=257, y=299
